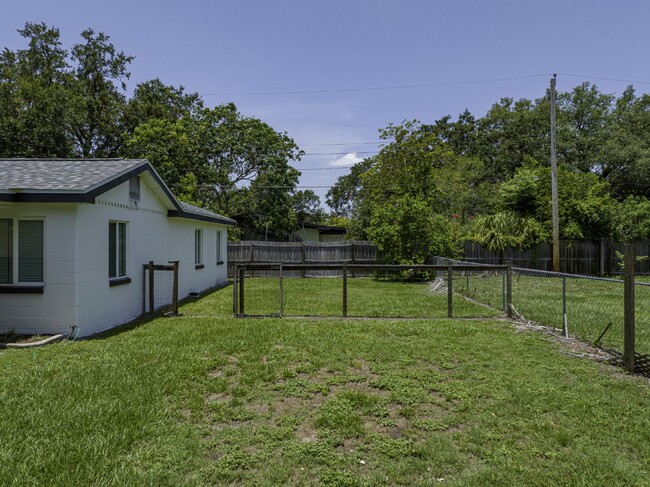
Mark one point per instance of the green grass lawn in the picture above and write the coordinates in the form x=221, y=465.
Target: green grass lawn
x=221, y=401
x=591, y=305
x=367, y=297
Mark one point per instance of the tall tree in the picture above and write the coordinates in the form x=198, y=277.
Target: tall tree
x=33, y=96
x=224, y=152
x=155, y=100
x=307, y=206
x=97, y=95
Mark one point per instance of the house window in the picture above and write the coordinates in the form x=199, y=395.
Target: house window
x=219, y=258
x=134, y=188
x=116, y=250
x=198, y=248
x=21, y=251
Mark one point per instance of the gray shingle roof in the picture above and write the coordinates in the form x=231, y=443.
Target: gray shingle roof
x=195, y=210
x=81, y=180
x=61, y=174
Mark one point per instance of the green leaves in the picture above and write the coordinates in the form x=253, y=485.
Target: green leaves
x=504, y=230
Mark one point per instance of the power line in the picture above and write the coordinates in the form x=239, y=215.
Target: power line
x=377, y=88
x=302, y=186
x=349, y=143
x=323, y=168
x=604, y=79
x=338, y=153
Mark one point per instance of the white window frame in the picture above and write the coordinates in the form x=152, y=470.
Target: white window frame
x=116, y=250
x=198, y=248
x=219, y=246
x=15, y=248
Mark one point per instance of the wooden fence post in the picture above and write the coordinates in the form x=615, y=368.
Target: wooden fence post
x=234, y=290
x=281, y=293
x=450, y=296
x=302, y=257
x=175, y=288
x=509, y=290
x=628, y=334
x=565, y=324
x=151, y=288
x=242, y=272
x=144, y=288
x=345, y=291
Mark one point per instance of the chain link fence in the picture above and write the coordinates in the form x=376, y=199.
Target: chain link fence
x=589, y=308
x=360, y=290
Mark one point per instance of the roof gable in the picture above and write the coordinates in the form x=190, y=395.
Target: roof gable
x=82, y=180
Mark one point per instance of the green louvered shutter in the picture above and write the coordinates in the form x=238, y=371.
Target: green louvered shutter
x=112, y=252
x=6, y=251
x=30, y=251
x=122, y=249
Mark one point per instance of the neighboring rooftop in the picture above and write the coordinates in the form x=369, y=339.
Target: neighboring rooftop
x=325, y=229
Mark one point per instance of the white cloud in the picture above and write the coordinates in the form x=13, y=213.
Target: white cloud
x=349, y=159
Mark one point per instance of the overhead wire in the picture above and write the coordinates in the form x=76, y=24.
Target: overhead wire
x=349, y=143
x=377, y=88
x=602, y=78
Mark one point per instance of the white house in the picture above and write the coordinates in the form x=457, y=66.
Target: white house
x=75, y=233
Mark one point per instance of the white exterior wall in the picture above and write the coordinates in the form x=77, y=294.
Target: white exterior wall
x=55, y=310
x=77, y=288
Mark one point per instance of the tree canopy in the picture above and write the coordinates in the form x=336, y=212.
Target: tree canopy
x=491, y=174
x=57, y=102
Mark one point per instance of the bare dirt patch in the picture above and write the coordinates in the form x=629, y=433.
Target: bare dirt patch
x=217, y=396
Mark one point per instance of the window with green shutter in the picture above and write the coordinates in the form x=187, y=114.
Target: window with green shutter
x=22, y=252
x=30, y=251
x=198, y=246
x=219, y=259
x=6, y=251
x=117, y=245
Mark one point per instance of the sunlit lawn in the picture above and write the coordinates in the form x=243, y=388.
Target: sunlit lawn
x=195, y=401
x=367, y=297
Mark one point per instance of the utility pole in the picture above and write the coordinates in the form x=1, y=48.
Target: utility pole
x=554, y=198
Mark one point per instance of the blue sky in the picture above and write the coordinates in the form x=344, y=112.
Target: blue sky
x=227, y=47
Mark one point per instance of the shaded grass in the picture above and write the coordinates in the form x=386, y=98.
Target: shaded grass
x=218, y=401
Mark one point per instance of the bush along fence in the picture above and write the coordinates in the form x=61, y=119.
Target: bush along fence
x=345, y=252
x=603, y=257
x=613, y=314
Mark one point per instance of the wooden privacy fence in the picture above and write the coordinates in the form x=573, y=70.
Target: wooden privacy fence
x=256, y=252
x=576, y=257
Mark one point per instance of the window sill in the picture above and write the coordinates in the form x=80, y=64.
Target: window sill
x=199, y=266
x=119, y=281
x=220, y=262
x=23, y=289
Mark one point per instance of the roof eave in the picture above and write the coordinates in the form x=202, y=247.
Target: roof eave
x=205, y=218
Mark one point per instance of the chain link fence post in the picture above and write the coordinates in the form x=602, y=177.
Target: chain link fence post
x=628, y=321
